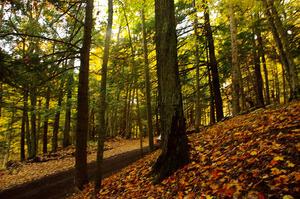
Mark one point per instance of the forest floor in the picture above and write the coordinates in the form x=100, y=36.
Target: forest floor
x=52, y=163
x=255, y=155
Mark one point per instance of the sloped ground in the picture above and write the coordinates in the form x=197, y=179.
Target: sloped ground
x=249, y=156
x=61, y=161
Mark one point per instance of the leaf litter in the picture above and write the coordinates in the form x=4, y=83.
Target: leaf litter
x=255, y=156
x=61, y=161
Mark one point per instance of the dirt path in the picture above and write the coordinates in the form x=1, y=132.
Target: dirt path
x=61, y=184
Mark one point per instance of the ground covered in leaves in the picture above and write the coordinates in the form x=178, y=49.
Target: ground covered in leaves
x=254, y=155
x=21, y=172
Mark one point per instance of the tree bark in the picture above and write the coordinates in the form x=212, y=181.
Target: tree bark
x=280, y=37
x=46, y=119
x=264, y=63
x=57, y=117
x=257, y=72
x=81, y=177
x=236, y=73
x=102, y=106
x=33, y=101
x=67, y=129
x=197, y=59
x=174, y=140
x=212, y=118
x=213, y=65
x=23, y=125
x=147, y=83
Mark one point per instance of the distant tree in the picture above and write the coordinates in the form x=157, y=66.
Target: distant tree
x=174, y=139
x=46, y=119
x=147, y=80
x=67, y=129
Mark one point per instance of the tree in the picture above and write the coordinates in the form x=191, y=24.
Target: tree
x=45, y=134
x=235, y=68
x=102, y=104
x=280, y=37
x=66, y=137
x=147, y=81
x=197, y=60
x=57, y=116
x=174, y=140
x=81, y=177
x=213, y=64
x=257, y=71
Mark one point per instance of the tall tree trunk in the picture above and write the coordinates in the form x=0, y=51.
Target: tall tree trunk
x=261, y=53
x=57, y=117
x=213, y=65
x=174, y=140
x=283, y=84
x=92, y=125
x=102, y=109
x=27, y=127
x=212, y=117
x=133, y=73
x=277, y=88
x=212, y=97
x=23, y=125
x=280, y=37
x=147, y=83
x=81, y=177
x=67, y=129
x=197, y=59
x=45, y=129
x=257, y=72
x=139, y=121
x=234, y=62
x=33, y=101
x=39, y=120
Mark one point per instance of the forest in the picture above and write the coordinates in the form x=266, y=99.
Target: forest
x=206, y=88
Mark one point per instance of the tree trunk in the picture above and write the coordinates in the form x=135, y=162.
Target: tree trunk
x=257, y=72
x=174, y=140
x=147, y=84
x=92, y=125
x=45, y=133
x=280, y=37
x=102, y=106
x=212, y=117
x=57, y=118
x=283, y=84
x=81, y=177
x=197, y=59
x=277, y=88
x=234, y=62
x=67, y=129
x=38, y=132
x=33, y=101
x=263, y=60
x=213, y=65
x=23, y=125
x=27, y=127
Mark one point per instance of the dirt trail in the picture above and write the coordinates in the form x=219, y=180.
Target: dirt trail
x=61, y=184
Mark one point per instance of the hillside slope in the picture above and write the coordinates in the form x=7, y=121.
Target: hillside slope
x=249, y=156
